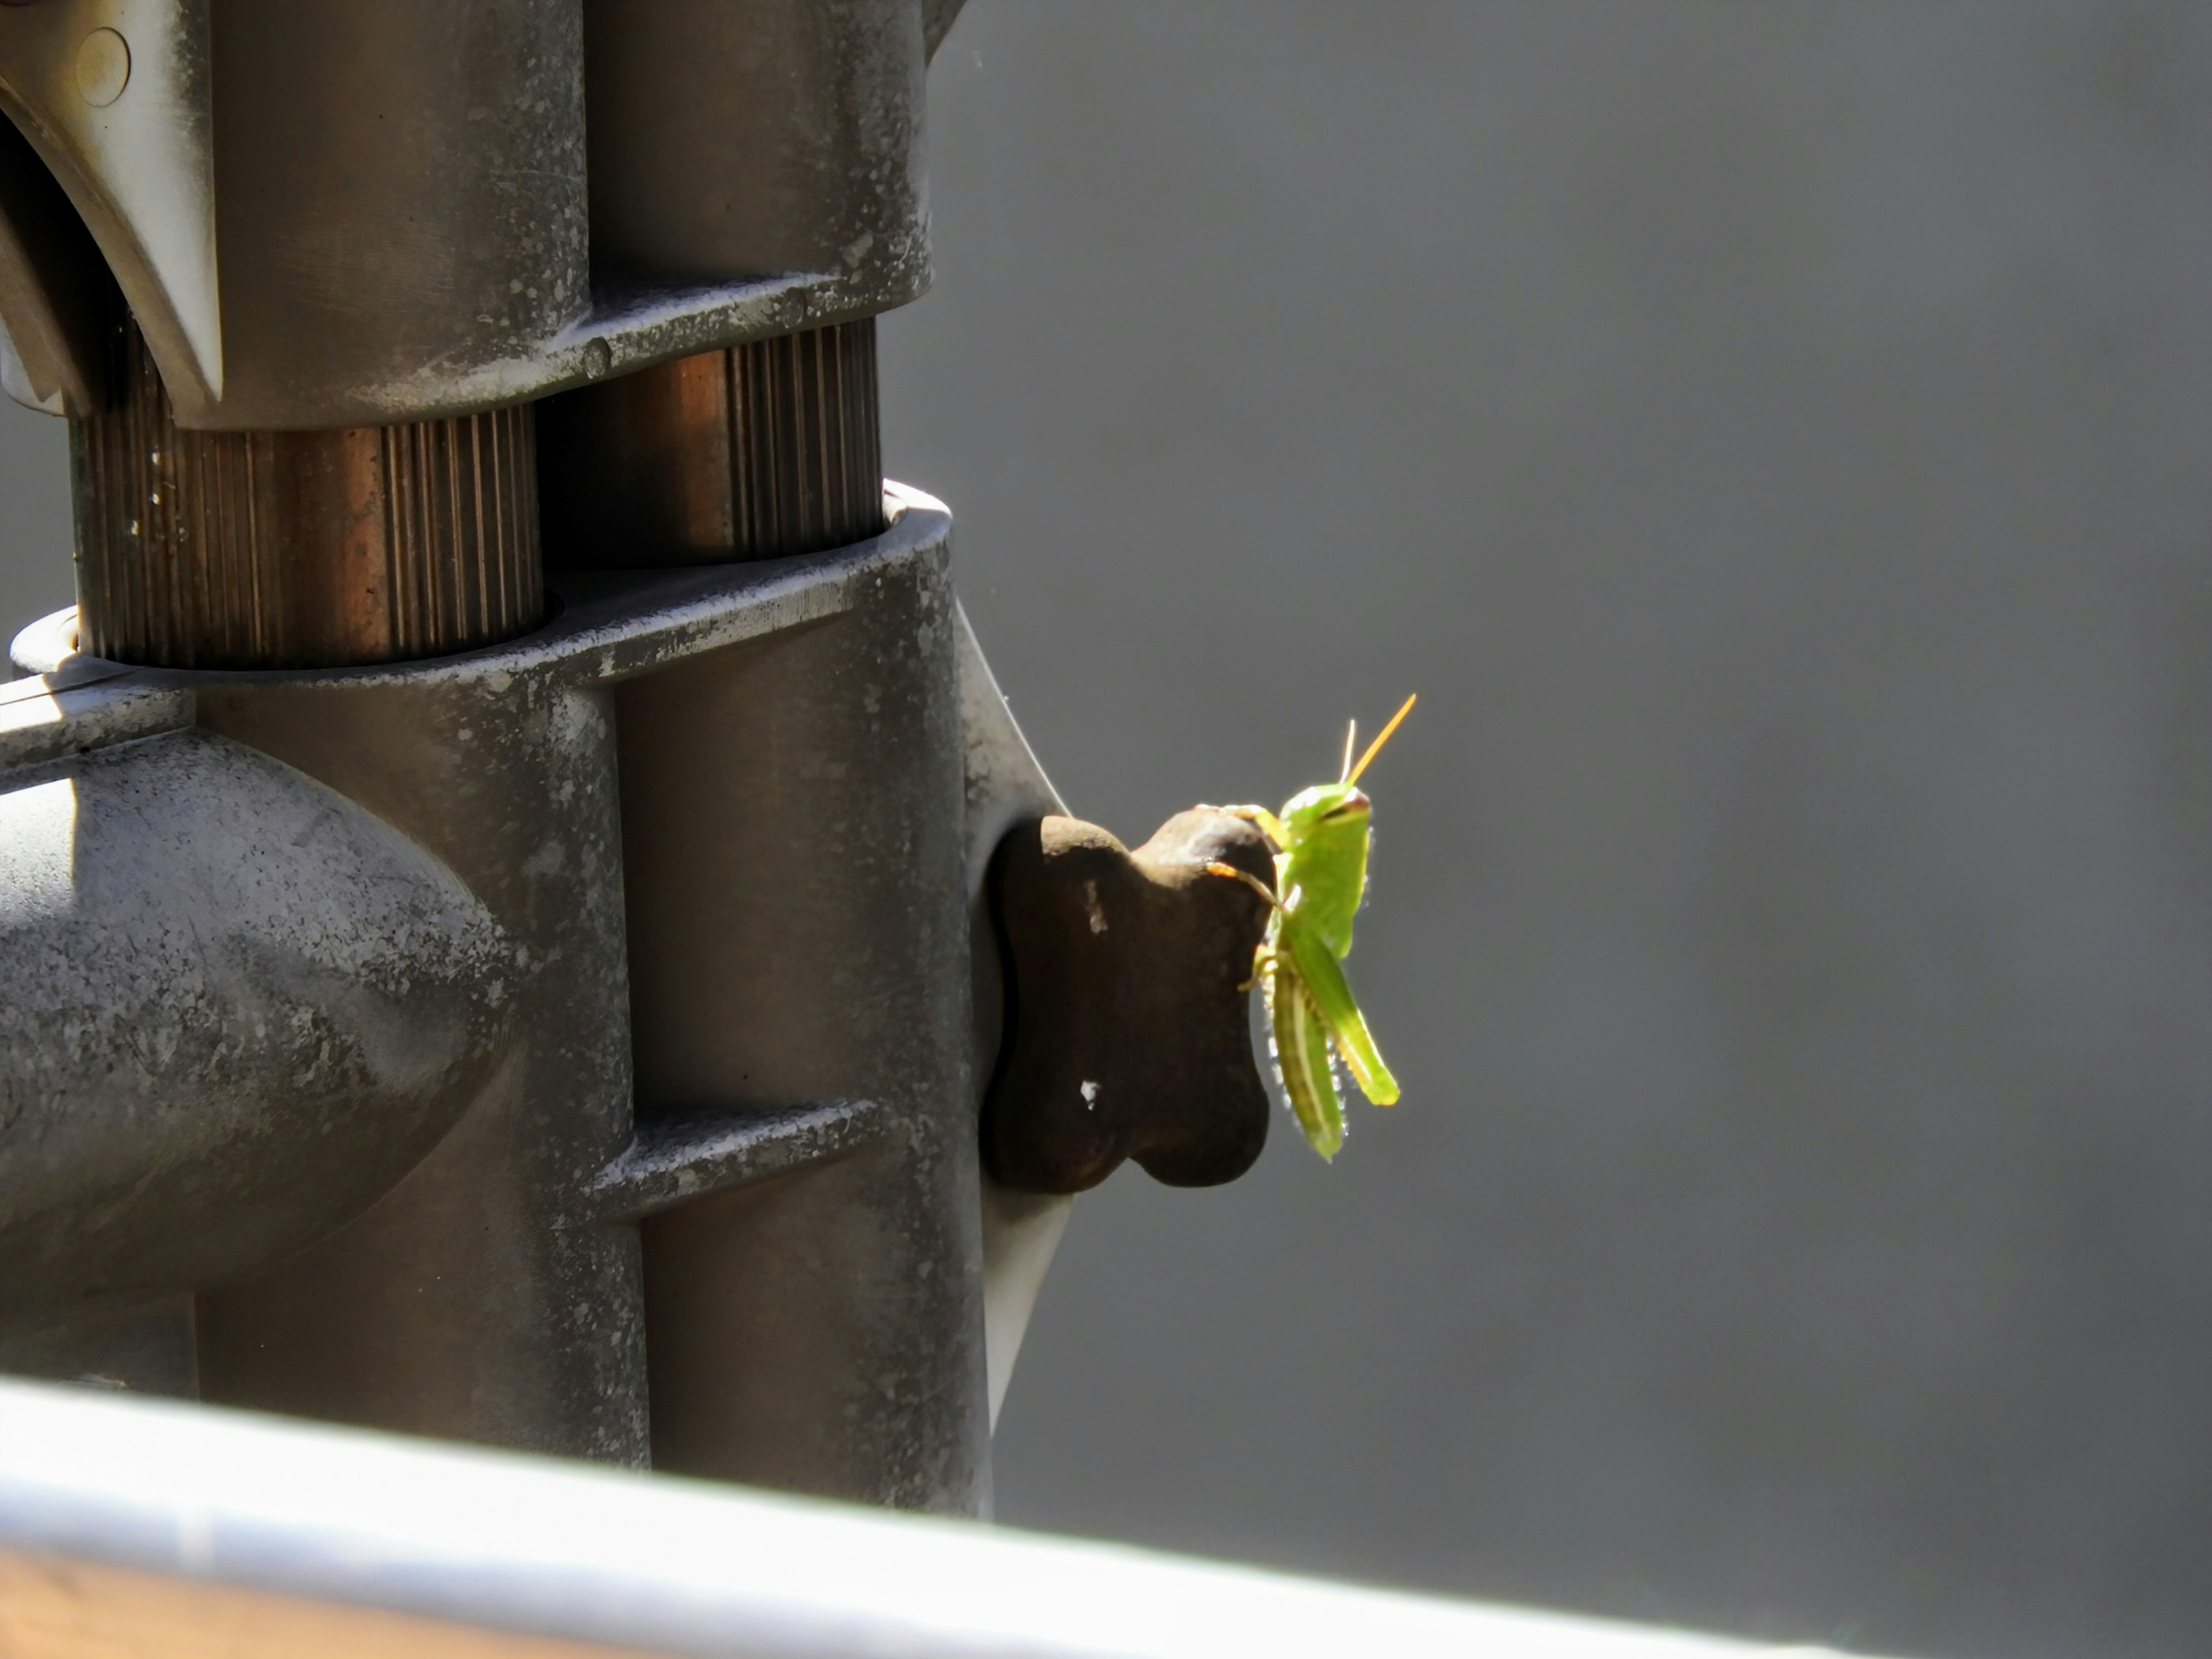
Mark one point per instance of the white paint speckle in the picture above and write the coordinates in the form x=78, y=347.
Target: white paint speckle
x=1089, y=1096
x=545, y=861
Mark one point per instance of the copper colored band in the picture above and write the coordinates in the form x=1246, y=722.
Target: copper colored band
x=756, y=452
x=297, y=549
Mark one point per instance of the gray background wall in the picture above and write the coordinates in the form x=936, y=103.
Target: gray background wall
x=1772, y=437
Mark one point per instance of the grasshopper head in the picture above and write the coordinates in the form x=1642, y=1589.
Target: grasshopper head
x=1337, y=811
x=1336, y=805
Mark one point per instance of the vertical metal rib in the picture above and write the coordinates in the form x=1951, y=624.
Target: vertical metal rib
x=757, y=452
x=298, y=549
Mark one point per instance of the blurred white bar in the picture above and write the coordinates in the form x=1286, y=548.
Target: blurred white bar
x=135, y=1526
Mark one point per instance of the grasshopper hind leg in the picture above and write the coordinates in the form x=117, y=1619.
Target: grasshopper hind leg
x=1297, y=1041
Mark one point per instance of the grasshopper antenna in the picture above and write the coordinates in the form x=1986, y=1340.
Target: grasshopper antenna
x=1375, y=747
x=1351, y=737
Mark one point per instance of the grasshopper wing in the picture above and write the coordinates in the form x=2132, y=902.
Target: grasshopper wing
x=1302, y=1064
x=1325, y=983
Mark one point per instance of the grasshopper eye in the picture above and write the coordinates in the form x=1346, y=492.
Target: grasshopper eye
x=1351, y=804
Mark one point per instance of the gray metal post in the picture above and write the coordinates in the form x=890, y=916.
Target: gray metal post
x=521, y=792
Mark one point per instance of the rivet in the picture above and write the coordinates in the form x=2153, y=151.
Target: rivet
x=103, y=68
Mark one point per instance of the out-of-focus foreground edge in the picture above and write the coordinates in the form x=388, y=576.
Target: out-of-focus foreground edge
x=129, y=1525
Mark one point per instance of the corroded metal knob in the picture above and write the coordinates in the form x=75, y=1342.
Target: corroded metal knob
x=1128, y=983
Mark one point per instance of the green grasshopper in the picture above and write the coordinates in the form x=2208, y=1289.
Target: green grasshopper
x=1321, y=840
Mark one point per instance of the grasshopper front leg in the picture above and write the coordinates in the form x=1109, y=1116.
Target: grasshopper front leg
x=1270, y=825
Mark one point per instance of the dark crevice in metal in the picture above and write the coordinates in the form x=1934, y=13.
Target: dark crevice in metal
x=297, y=549
x=756, y=452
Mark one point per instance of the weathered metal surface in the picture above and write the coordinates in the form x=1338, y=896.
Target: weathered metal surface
x=1128, y=1035
x=296, y=549
x=743, y=792
x=730, y=138
x=236, y=1007
x=790, y=826
x=400, y=198
x=138, y=161
x=390, y=187
x=480, y=1300
x=85, y=705
x=131, y=1527
x=756, y=451
x=392, y=220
